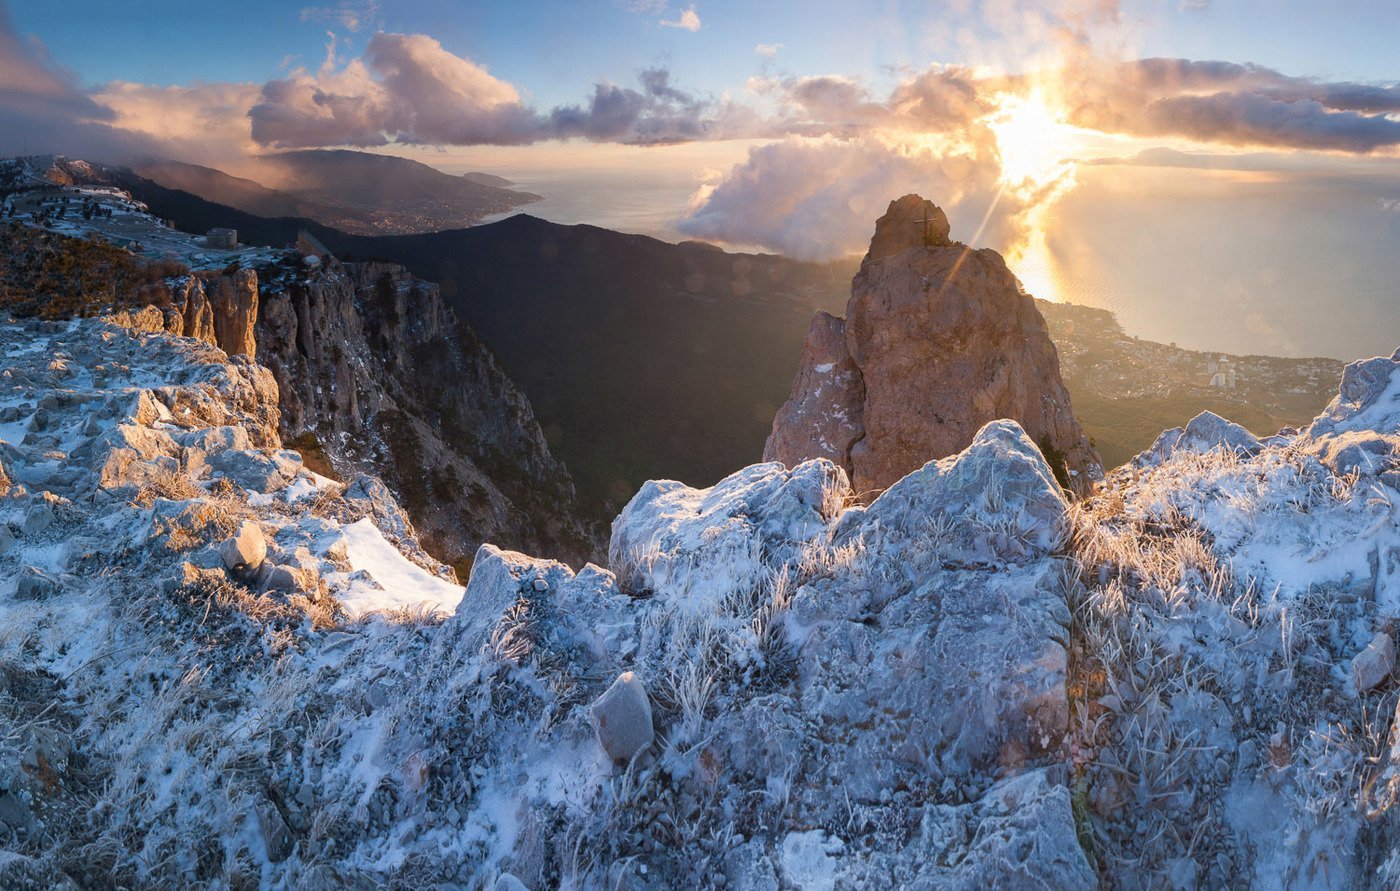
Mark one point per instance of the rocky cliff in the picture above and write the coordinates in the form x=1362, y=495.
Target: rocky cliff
x=938, y=340
x=375, y=375
x=376, y=371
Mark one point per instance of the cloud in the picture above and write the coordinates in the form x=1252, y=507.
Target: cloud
x=203, y=122
x=407, y=88
x=688, y=20
x=1230, y=104
x=352, y=16
x=768, y=51
x=42, y=109
x=814, y=198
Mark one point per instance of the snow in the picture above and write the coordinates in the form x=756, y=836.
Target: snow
x=401, y=582
x=808, y=862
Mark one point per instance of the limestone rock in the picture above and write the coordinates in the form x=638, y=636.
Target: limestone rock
x=257, y=470
x=289, y=579
x=909, y=222
x=821, y=419
x=622, y=718
x=39, y=518
x=196, y=314
x=1025, y=838
x=1371, y=666
x=276, y=836
x=940, y=339
x=1364, y=453
x=1208, y=430
x=707, y=543
x=35, y=584
x=1368, y=399
x=1001, y=481
x=233, y=300
x=246, y=550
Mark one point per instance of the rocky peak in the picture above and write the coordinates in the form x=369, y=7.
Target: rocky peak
x=936, y=343
x=909, y=222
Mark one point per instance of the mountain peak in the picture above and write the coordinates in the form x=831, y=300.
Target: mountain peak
x=911, y=221
x=936, y=343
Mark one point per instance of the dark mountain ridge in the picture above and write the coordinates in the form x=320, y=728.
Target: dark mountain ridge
x=645, y=359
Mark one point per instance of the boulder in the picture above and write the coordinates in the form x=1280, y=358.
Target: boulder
x=35, y=584
x=39, y=518
x=288, y=579
x=1208, y=430
x=1368, y=399
x=246, y=550
x=622, y=718
x=940, y=339
x=700, y=545
x=1371, y=666
x=1362, y=452
x=909, y=222
x=996, y=501
x=256, y=470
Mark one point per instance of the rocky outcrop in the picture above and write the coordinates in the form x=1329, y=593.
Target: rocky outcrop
x=375, y=371
x=966, y=683
x=234, y=300
x=192, y=314
x=938, y=340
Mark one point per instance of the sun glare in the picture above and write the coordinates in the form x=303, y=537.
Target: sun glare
x=1031, y=139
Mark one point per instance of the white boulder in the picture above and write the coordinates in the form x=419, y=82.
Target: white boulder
x=622, y=718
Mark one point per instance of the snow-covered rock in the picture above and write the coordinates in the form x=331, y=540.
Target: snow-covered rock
x=996, y=501
x=701, y=545
x=970, y=682
x=245, y=551
x=622, y=718
x=1201, y=434
x=1374, y=664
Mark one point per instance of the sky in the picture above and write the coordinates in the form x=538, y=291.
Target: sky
x=787, y=126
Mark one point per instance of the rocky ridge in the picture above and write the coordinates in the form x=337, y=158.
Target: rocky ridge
x=375, y=369
x=351, y=348
x=938, y=340
x=246, y=673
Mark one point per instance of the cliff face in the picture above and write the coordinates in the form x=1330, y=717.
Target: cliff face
x=938, y=340
x=374, y=369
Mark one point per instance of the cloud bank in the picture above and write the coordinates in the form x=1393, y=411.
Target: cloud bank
x=832, y=140
x=407, y=88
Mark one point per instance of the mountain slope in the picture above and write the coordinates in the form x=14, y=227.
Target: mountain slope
x=354, y=192
x=220, y=669
x=601, y=331
x=370, y=194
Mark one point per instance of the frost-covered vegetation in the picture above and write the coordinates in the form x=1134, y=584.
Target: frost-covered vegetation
x=220, y=669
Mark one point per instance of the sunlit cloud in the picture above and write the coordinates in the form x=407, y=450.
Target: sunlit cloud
x=688, y=20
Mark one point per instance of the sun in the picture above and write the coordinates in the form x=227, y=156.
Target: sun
x=1032, y=141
